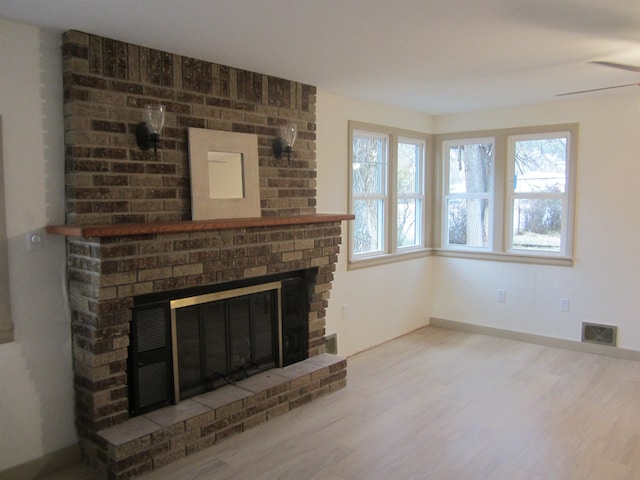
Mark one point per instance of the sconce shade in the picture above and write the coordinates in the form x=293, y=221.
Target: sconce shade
x=289, y=133
x=155, y=117
x=287, y=138
x=148, y=132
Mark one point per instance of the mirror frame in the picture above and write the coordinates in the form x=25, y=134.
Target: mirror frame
x=201, y=142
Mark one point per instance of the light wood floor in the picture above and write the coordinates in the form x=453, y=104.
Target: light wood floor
x=441, y=404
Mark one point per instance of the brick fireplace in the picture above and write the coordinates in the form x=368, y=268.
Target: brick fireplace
x=129, y=233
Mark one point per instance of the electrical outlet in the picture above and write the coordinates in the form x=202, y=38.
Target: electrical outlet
x=502, y=295
x=564, y=304
x=346, y=311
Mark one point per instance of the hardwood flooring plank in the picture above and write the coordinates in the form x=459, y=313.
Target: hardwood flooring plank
x=443, y=404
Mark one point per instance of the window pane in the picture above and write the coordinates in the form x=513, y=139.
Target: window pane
x=540, y=165
x=368, y=233
x=537, y=224
x=369, y=164
x=214, y=331
x=409, y=226
x=471, y=168
x=239, y=333
x=468, y=221
x=409, y=160
x=188, y=333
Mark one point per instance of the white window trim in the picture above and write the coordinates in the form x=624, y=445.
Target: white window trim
x=391, y=253
x=422, y=177
x=501, y=250
x=445, y=206
x=564, y=196
x=384, y=195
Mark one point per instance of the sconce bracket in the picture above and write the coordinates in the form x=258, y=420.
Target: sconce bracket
x=144, y=136
x=279, y=147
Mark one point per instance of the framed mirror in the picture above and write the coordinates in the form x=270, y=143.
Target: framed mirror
x=224, y=174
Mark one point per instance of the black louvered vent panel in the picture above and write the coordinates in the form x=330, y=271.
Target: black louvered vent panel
x=152, y=380
x=151, y=328
x=150, y=361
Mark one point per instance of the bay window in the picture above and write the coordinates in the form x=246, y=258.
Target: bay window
x=505, y=194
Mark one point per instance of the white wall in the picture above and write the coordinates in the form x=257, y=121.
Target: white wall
x=385, y=301
x=36, y=390
x=603, y=285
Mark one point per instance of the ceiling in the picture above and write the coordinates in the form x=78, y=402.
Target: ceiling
x=434, y=56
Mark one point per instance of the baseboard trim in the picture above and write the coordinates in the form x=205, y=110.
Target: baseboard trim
x=607, y=351
x=44, y=465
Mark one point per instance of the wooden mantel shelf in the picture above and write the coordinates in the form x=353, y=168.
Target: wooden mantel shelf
x=129, y=229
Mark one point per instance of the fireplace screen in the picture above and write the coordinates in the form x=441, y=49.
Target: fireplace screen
x=219, y=341
x=193, y=344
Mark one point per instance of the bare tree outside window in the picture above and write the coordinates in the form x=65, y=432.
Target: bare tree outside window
x=410, y=203
x=369, y=192
x=539, y=188
x=469, y=193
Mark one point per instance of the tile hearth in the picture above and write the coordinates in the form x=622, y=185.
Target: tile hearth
x=160, y=437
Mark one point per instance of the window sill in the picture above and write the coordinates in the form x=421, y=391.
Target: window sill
x=556, y=260
x=388, y=258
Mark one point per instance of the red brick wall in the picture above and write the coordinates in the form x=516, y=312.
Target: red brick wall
x=110, y=180
x=106, y=274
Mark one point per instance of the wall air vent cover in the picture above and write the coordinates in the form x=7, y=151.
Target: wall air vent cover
x=332, y=343
x=600, y=334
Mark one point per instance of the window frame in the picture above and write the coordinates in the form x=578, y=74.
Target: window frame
x=501, y=248
x=383, y=195
x=511, y=195
x=490, y=196
x=421, y=195
x=391, y=252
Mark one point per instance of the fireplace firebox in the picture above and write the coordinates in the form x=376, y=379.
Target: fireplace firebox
x=190, y=342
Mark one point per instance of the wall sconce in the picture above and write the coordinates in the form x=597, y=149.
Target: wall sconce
x=284, y=143
x=148, y=133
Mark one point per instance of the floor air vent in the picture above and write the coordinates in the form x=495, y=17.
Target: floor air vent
x=601, y=334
